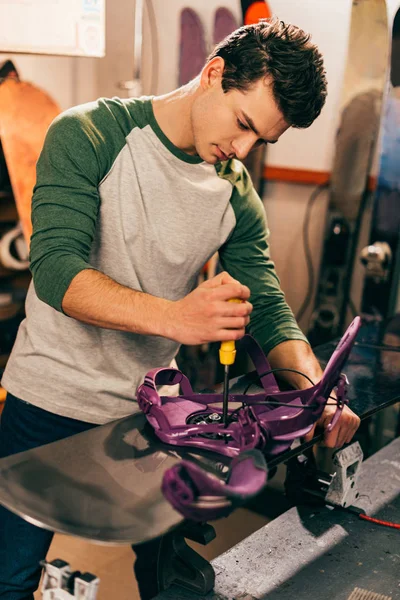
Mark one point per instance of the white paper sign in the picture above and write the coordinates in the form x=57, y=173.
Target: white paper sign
x=66, y=27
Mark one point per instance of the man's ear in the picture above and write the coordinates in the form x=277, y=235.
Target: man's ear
x=212, y=72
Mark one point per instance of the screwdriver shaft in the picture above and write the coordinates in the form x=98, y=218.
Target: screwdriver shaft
x=225, y=396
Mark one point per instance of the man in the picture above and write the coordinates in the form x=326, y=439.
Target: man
x=132, y=198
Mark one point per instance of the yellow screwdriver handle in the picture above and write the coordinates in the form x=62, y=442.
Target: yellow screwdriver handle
x=227, y=351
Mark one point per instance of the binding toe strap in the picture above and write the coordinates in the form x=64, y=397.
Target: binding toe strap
x=200, y=496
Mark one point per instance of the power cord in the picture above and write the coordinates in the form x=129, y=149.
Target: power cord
x=272, y=402
x=307, y=250
x=379, y=521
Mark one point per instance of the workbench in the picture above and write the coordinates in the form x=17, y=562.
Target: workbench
x=310, y=553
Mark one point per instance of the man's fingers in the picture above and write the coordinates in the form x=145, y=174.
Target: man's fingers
x=226, y=278
x=232, y=309
x=334, y=438
x=231, y=290
x=343, y=431
x=218, y=280
x=233, y=322
x=309, y=436
x=222, y=281
x=226, y=335
x=352, y=431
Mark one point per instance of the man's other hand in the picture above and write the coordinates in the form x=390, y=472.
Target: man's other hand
x=343, y=431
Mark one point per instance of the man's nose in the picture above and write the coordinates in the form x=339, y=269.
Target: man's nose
x=243, y=144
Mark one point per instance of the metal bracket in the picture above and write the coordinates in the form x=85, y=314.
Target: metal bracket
x=305, y=483
x=342, y=489
x=181, y=565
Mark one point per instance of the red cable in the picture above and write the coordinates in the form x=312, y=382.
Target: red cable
x=379, y=522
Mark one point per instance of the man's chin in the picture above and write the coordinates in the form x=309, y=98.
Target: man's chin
x=211, y=159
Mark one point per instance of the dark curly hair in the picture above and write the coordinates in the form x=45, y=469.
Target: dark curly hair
x=284, y=53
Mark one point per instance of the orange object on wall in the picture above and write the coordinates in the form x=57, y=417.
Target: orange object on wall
x=25, y=115
x=254, y=10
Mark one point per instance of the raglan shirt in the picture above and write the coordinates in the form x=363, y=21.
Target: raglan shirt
x=114, y=194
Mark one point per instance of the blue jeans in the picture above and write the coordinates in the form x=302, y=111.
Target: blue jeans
x=22, y=545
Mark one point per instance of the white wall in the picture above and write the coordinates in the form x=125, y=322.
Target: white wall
x=328, y=21
x=76, y=80
x=117, y=65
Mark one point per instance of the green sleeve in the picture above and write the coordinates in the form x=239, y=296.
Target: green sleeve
x=65, y=203
x=246, y=257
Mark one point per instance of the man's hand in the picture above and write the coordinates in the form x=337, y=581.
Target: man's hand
x=205, y=315
x=343, y=431
x=296, y=354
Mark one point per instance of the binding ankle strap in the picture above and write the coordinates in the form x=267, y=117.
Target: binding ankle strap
x=260, y=362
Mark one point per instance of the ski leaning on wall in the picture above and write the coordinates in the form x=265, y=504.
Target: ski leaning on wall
x=381, y=257
x=360, y=108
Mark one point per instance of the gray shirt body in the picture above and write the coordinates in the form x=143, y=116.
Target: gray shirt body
x=114, y=194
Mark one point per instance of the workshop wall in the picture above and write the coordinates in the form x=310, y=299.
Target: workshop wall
x=117, y=65
x=328, y=21
x=73, y=80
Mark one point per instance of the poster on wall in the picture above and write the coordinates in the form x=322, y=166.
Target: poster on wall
x=61, y=27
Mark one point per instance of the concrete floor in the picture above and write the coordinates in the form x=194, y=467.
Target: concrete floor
x=113, y=564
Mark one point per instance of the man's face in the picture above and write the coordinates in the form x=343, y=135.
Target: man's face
x=229, y=125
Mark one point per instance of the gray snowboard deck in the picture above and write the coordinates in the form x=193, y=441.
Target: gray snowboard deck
x=104, y=484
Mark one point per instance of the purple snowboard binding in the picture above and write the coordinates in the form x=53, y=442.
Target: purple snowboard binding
x=267, y=421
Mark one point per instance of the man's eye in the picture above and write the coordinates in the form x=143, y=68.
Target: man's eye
x=242, y=125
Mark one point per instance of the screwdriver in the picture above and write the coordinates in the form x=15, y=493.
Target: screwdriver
x=227, y=354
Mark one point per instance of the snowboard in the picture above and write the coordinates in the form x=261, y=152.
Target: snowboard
x=382, y=257
x=192, y=47
x=360, y=109
x=105, y=484
x=224, y=24
x=25, y=115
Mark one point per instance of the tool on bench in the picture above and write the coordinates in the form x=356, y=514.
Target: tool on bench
x=227, y=354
